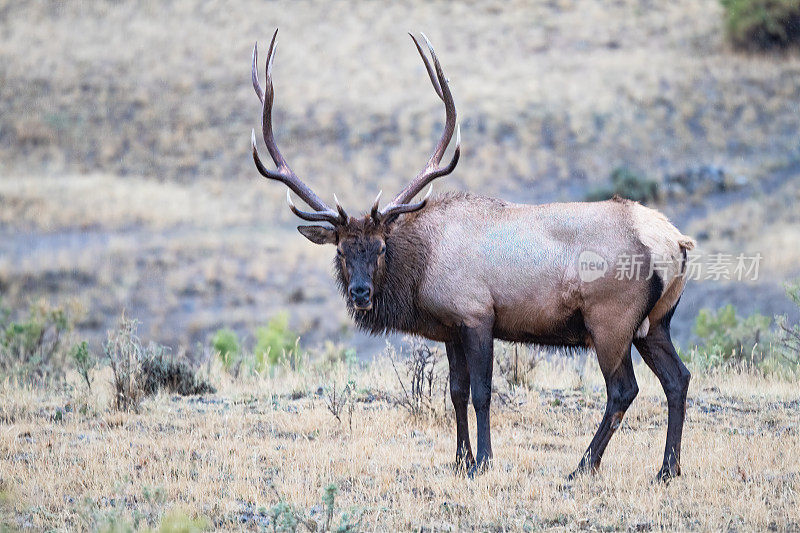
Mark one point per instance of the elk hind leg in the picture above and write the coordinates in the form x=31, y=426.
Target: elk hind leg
x=659, y=354
x=621, y=389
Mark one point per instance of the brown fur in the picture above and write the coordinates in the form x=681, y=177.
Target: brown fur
x=415, y=284
x=397, y=284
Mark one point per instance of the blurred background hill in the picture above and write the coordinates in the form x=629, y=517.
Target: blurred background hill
x=126, y=180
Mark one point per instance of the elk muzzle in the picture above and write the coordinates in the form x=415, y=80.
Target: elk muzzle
x=361, y=295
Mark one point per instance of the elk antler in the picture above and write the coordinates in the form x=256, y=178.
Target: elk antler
x=285, y=174
x=432, y=169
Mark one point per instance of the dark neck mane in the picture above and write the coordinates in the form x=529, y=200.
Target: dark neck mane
x=395, y=302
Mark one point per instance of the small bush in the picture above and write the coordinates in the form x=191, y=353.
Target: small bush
x=420, y=380
x=226, y=344
x=627, y=184
x=84, y=362
x=275, y=343
x=140, y=371
x=126, y=356
x=286, y=518
x=725, y=337
x=762, y=25
x=789, y=341
x=517, y=364
x=32, y=350
x=164, y=372
x=342, y=400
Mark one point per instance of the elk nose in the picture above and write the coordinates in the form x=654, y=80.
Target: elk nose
x=360, y=293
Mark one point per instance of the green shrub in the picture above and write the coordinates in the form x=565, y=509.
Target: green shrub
x=627, y=184
x=32, y=350
x=275, y=343
x=84, y=362
x=286, y=518
x=725, y=337
x=226, y=344
x=760, y=25
x=789, y=342
x=177, y=521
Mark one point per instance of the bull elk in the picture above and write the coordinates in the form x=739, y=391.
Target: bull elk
x=464, y=270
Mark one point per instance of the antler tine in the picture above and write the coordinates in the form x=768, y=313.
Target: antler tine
x=317, y=216
x=340, y=209
x=407, y=208
x=432, y=169
x=254, y=74
x=449, y=105
x=431, y=72
x=283, y=173
x=376, y=216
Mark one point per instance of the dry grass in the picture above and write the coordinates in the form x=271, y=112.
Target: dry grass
x=225, y=456
x=126, y=182
x=112, y=203
x=547, y=92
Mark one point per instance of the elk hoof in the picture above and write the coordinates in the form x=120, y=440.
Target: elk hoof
x=477, y=469
x=581, y=471
x=463, y=465
x=576, y=474
x=667, y=473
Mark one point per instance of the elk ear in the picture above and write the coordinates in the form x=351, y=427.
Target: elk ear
x=318, y=234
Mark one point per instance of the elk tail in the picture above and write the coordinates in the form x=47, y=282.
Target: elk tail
x=686, y=243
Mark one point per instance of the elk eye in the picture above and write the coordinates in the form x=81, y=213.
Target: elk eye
x=339, y=252
x=382, y=250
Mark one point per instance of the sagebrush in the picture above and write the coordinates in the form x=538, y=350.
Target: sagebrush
x=34, y=349
x=759, y=25
x=626, y=183
x=140, y=371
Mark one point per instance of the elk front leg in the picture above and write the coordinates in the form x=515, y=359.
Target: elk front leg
x=459, y=394
x=478, y=349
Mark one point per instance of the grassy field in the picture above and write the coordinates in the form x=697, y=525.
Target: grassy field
x=272, y=446
x=126, y=185
x=557, y=91
x=126, y=182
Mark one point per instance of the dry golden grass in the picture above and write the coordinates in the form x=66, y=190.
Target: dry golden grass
x=226, y=456
x=126, y=182
x=547, y=92
x=125, y=174
x=112, y=203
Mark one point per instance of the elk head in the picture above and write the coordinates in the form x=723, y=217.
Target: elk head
x=361, y=243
